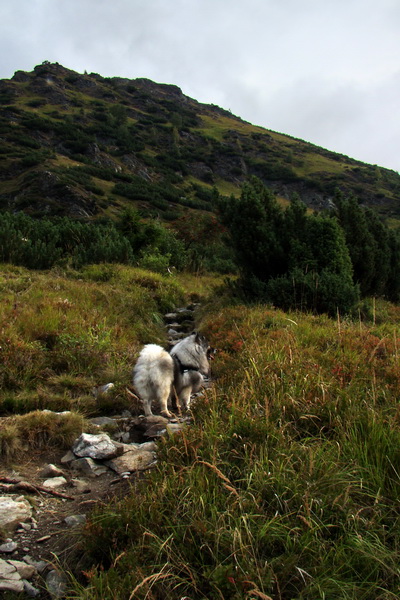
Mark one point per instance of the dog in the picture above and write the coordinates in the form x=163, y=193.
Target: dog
x=160, y=375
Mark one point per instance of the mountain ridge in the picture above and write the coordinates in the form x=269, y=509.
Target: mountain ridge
x=87, y=146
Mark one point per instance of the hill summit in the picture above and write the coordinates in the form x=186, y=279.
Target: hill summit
x=84, y=145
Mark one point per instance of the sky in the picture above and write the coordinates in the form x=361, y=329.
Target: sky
x=325, y=71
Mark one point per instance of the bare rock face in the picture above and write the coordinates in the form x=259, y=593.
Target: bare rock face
x=98, y=447
x=13, y=511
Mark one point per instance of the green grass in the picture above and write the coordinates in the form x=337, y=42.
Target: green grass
x=62, y=333
x=286, y=485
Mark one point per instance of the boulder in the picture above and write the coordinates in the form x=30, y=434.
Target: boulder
x=98, y=447
x=134, y=460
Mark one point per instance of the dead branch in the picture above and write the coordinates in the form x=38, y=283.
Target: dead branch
x=12, y=485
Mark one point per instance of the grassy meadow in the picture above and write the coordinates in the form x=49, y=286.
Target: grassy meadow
x=63, y=333
x=285, y=487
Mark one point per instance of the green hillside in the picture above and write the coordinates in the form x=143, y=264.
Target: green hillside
x=88, y=146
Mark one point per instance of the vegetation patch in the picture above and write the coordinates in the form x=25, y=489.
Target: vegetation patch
x=284, y=487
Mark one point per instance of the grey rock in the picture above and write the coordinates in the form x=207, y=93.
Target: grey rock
x=12, y=585
x=155, y=431
x=99, y=447
x=68, y=458
x=170, y=317
x=8, y=547
x=89, y=467
x=75, y=520
x=10, y=579
x=39, y=565
x=29, y=590
x=56, y=584
x=13, y=511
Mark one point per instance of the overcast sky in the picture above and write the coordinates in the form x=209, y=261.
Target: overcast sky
x=326, y=71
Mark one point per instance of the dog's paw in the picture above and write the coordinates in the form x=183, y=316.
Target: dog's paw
x=166, y=413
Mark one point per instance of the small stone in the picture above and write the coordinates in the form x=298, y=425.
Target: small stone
x=40, y=565
x=75, y=520
x=56, y=584
x=101, y=421
x=54, y=483
x=8, y=547
x=29, y=590
x=42, y=539
x=89, y=467
x=12, y=585
x=68, y=458
x=51, y=470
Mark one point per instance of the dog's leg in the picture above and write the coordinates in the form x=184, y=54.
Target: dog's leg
x=184, y=397
x=174, y=400
x=147, y=408
x=163, y=400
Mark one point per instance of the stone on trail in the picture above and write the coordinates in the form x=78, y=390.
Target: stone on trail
x=54, y=483
x=89, y=467
x=134, y=460
x=98, y=447
x=13, y=511
x=51, y=470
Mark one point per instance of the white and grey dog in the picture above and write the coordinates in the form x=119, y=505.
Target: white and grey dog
x=159, y=375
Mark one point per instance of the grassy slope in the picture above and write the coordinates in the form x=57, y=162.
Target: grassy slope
x=231, y=144
x=287, y=484
x=63, y=333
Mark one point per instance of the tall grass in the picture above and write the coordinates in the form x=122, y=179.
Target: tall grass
x=285, y=486
x=62, y=333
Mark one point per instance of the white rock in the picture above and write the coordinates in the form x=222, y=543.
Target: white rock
x=99, y=447
x=54, y=483
x=13, y=511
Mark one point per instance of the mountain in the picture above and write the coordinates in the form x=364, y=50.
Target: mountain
x=87, y=146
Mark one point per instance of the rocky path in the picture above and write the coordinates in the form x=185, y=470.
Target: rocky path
x=44, y=501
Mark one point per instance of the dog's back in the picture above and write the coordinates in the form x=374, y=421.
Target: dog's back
x=153, y=376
